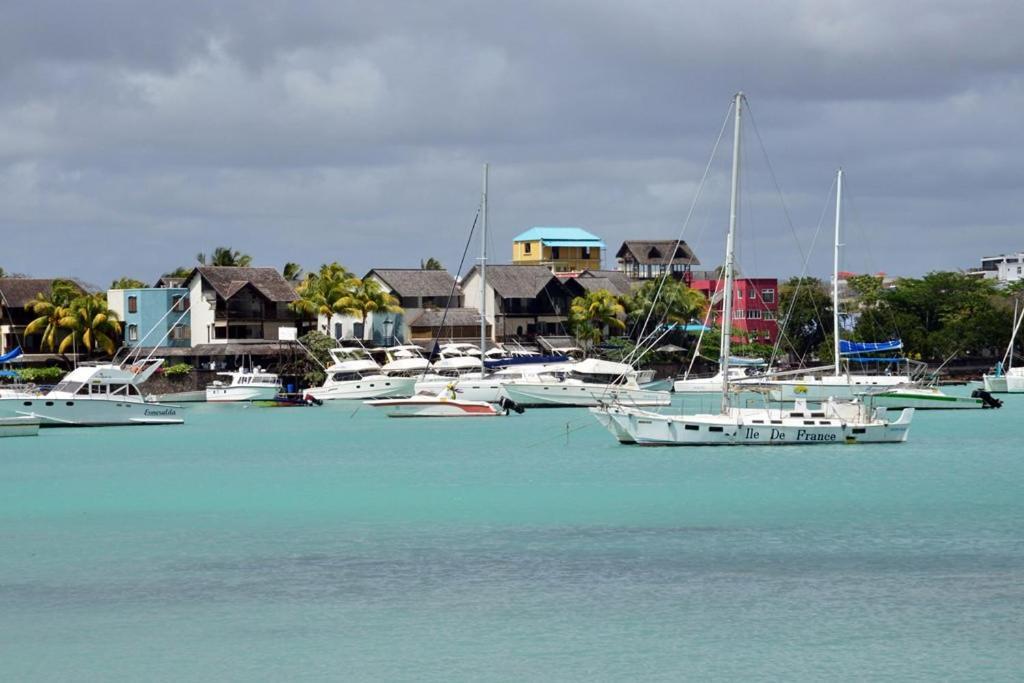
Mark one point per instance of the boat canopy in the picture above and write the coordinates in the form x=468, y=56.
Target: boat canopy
x=751, y=362
x=11, y=355
x=851, y=348
x=875, y=360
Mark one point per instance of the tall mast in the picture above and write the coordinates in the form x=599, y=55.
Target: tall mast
x=733, y=215
x=483, y=273
x=835, y=272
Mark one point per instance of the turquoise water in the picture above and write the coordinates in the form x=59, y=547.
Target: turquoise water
x=336, y=544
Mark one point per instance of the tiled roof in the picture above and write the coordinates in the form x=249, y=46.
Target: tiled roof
x=416, y=282
x=516, y=282
x=228, y=280
x=658, y=252
x=18, y=291
x=617, y=281
x=456, y=317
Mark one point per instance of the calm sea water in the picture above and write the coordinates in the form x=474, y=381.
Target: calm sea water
x=336, y=544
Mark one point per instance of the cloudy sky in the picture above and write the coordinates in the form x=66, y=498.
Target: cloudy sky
x=135, y=134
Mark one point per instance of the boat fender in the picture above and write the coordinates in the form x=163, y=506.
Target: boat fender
x=987, y=399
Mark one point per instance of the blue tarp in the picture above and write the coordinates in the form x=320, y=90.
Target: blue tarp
x=11, y=355
x=875, y=360
x=688, y=327
x=853, y=348
x=9, y=373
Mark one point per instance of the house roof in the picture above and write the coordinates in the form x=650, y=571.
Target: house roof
x=516, y=281
x=229, y=280
x=658, y=252
x=456, y=317
x=619, y=281
x=18, y=291
x=168, y=281
x=415, y=281
x=561, y=237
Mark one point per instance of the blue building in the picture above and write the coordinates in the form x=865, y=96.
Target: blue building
x=153, y=316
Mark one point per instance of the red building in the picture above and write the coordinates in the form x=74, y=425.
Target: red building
x=754, y=308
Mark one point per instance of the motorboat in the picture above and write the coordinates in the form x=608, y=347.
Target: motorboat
x=23, y=425
x=354, y=374
x=923, y=397
x=244, y=385
x=590, y=382
x=1006, y=379
x=96, y=394
x=834, y=422
x=406, y=360
x=445, y=403
x=489, y=386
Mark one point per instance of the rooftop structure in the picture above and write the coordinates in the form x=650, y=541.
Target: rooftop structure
x=562, y=249
x=646, y=259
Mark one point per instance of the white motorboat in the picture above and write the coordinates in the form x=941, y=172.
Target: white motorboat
x=1007, y=379
x=404, y=361
x=490, y=386
x=244, y=385
x=24, y=425
x=924, y=397
x=589, y=382
x=834, y=422
x=95, y=395
x=710, y=385
x=354, y=374
x=446, y=403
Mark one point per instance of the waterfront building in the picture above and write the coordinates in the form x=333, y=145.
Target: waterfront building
x=754, y=310
x=613, y=281
x=560, y=249
x=230, y=303
x=523, y=301
x=15, y=295
x=647, y=259
x=153, y=316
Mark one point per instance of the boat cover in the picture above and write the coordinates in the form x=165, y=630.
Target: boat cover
x=10, y=355
x=854, y=348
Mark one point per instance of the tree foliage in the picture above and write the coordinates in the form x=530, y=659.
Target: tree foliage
x=592, y=315
x=675, y=302
x=431, y=264
x=127, y=283
x=805, y=307
x=292, y=272
x=224, y=256
x=69, y=319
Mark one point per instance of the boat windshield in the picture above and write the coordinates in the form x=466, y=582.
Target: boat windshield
x=70, y=387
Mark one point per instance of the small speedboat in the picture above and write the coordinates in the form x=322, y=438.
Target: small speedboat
x=443, y=404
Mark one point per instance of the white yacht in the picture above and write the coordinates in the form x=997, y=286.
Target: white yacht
x=95, y=395
x=1007, y=379
x=489, y=386
x=244, y=385
x=589, y=382
x=406, y=360
x=833, y=422
x=354, y=374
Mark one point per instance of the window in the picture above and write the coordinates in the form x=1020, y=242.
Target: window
x=753, y=314
x=768, y=315
x=586, y=254
x=178, y=302
x=133, y=330
x=526, y=247
x=768, y=296
x=739, y=314
x=753, y=293
x=556, y=252
x=133, y=304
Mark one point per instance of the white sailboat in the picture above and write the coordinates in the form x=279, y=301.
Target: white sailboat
x=835, y=421
x=94, y=395
x=1007, y=379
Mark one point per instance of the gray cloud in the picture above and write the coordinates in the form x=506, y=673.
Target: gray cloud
x=134, y=135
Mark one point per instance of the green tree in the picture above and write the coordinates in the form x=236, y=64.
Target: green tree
x=431, y=264
x=180, y=271
x=366, y=297
x=320, y=293
x=592, y=315
x=91, y=325
x=806, y=307
x=676, y=303
x=292, y=272
x=127, y=283
x=224, y=256
x=52, y=309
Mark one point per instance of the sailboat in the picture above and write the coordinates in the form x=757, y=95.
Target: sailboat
x=835, y=421
x=1007, y=379
x=446, y=402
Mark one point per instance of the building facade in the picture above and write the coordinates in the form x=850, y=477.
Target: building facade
x=755, y=307
x=1002, y=268
x=560, y=249
x=648, y=259
x=240, y=304
x=153, y=316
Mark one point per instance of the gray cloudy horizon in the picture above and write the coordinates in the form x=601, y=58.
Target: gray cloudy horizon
x=134, y=135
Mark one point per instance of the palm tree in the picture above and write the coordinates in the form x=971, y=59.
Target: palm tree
x=366, y=297
x=179, y=272
x=431, y=264
x=292, y=272
x=224, y=256
x=591, y=315
x=92, y=325
x=52, y=309
x=675, y=302
x=127, y=283
x=320, y=292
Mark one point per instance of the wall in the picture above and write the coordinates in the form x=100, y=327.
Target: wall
x=202, y=313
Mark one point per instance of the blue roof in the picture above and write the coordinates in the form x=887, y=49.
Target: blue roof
x=561, y=237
